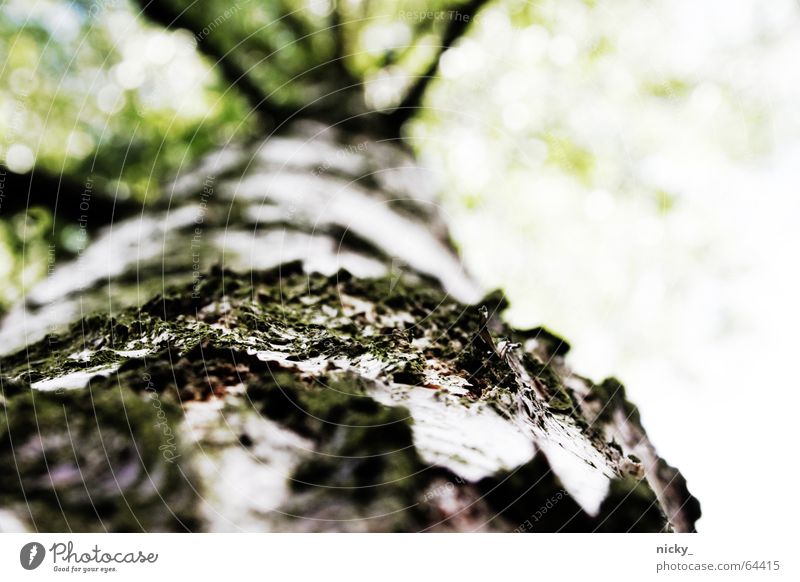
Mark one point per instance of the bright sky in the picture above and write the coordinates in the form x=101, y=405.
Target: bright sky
x=629, y=173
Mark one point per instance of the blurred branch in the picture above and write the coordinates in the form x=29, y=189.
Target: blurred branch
x=300, y=30
x=456, y=28
x=339, y=48
x=294, y=24
x=68, y=198
x=170, y=16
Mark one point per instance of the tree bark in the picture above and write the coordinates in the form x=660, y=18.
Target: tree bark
x=290, y=343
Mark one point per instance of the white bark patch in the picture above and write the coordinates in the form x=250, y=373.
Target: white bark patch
x=319, y=155
x=472, y=441
x=246, y=251
x=368, y=366
x=82, y=356
x=132, y=353
x=582, y=469
x=74, y=380
x=325, y=200
x=192, y=181
x=409, y=178
x=11, y=522
x=112, y=254
x=311, y=366
x=22, y=326
x=242, y=486
x=58, y=298
x=586, y=484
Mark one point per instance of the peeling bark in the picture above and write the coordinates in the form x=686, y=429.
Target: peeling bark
x=289, y=343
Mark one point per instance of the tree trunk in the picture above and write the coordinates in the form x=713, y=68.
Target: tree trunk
x=289, y=343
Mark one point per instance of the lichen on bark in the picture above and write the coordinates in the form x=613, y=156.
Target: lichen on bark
x=333, y=402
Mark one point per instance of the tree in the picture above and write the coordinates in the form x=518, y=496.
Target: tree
x=287, y=341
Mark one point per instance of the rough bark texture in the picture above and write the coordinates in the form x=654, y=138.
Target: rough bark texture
x=289, y=343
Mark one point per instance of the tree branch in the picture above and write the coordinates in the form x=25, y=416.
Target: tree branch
x=337, y=29
x=457, y=26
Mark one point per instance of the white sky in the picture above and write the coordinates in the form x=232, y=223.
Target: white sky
x=670, y=263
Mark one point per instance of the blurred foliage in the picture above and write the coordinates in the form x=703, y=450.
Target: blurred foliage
x=87, y=88
x=624, y=171
x=93, y=88
x=90, y=88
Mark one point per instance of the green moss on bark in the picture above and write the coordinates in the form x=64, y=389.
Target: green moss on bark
x=101, y=459
x=294, y=344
